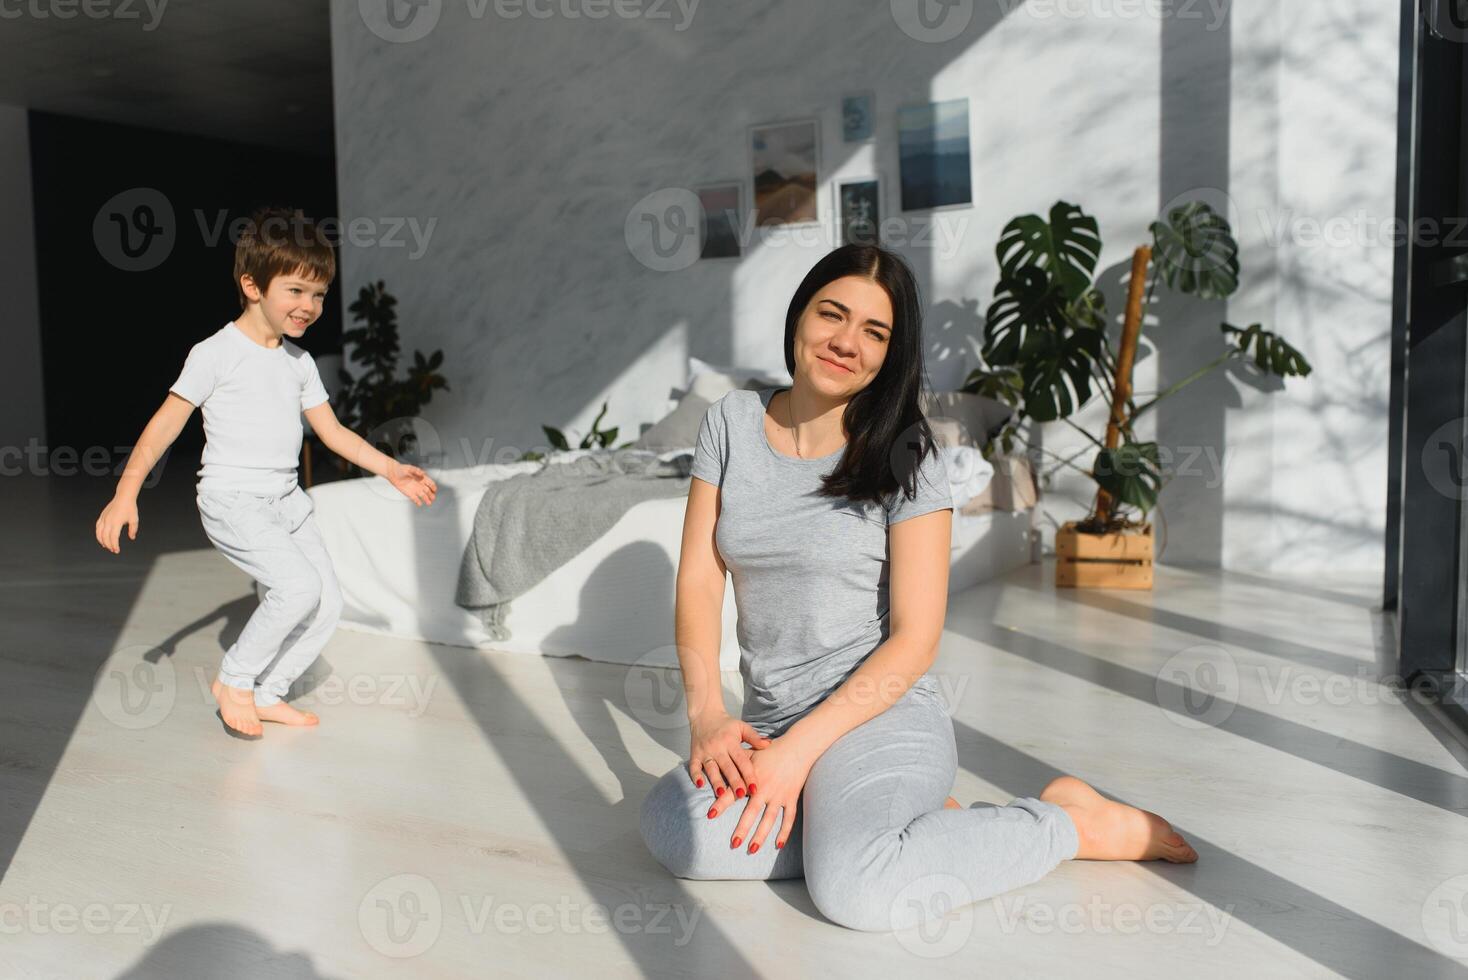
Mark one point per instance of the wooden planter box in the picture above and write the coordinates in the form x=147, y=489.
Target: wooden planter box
x=1121, y=560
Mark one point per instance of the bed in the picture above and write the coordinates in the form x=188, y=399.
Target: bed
x=398, y=566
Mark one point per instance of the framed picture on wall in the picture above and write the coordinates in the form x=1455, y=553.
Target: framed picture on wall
x=859, y=211
x=933, y=149
x=785, y=162
x=721, y=220
x=858, y=117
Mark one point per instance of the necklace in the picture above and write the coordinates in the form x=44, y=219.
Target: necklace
x=790, y=410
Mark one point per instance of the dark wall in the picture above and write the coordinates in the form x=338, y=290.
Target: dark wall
x=1430, y=379
x=135, y=263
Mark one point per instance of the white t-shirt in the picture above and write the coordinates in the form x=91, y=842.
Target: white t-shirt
x=252, y=399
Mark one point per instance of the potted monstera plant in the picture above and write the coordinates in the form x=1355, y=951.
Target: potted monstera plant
x=1047, y=353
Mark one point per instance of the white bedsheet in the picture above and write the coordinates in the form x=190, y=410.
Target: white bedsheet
x=399, y=565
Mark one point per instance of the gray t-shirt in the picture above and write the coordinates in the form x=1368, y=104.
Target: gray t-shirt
x=810, y=572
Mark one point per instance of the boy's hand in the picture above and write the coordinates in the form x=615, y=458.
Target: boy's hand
x=412, y=483
x=117, y=514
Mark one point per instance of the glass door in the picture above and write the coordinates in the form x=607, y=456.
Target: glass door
x=1427, y=519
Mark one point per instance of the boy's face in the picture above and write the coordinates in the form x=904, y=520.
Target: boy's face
x=291, y=303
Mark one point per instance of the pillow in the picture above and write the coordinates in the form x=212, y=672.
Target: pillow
x=774, y=376
x=679, y=428
x=714, y=385
x=1012, y=488
x=950, y=433
x=982, y=417
x=718, y=379
x=969, y=473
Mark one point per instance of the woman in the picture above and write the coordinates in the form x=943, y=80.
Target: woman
x=829, y=504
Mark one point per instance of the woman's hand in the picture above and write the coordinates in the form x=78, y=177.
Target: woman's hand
x=717, y=753
x=119, y=513
x=780, y=772
x=412, y=483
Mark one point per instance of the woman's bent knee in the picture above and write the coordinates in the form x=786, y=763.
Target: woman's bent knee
x=847, y=898
x=667, y=825
x=870, y=888
x=678, y=832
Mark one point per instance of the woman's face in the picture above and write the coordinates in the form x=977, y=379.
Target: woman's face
x=842, y=337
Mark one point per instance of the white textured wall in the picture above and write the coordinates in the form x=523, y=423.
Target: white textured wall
x=527, y=141
x=1314, y=131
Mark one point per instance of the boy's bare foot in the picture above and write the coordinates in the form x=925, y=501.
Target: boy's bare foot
x=237, y=708
x=1112, y=831
x=286, y=714
x=951, y=804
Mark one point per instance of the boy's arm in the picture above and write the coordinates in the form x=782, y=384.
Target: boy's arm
x=346, y=443
x=158, y=435
x=414, y=484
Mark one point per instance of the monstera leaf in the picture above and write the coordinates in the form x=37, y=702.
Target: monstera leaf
x=1271, y=353
x=1067, y=247
x=1130, y=473
x=1057, y=372
x=1088, y=311
x=1046, y=330
x=1026, y=303
x=1196, y=252
x=1004, y=385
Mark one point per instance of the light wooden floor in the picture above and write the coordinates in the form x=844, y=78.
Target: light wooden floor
x=463, y=814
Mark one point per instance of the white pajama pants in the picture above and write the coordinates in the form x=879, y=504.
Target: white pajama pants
x=275, y=541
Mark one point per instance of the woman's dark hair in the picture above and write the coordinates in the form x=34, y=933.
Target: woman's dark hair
x=888, y=436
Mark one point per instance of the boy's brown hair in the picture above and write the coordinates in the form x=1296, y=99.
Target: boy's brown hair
x=280, y=241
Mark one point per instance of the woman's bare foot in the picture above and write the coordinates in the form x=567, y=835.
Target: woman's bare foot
x=286, y=714
x=1112, y=831
x=237, y=708
x=951, y=804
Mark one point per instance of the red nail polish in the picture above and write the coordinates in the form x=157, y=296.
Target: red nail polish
x=739, y=793
x=735, y=842
x=699, y=784
x=713, y=812
x=779, y=844
x=753, y=848
x=751, y=789
x=718, y=791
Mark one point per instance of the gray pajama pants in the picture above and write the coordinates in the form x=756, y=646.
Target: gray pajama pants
x=871, y=838
x=275, y=541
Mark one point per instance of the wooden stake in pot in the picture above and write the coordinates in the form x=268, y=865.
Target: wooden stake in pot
x=1130, y=329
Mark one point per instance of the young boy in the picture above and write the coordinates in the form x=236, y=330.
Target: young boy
x=253, y=385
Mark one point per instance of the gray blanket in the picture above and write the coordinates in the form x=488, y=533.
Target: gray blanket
x=530, y=524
